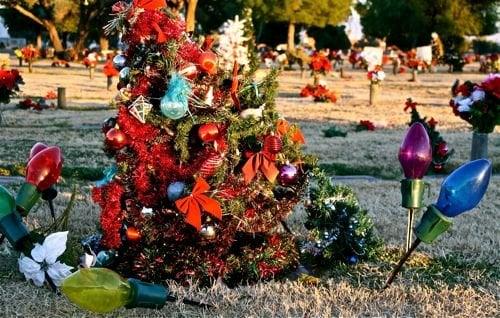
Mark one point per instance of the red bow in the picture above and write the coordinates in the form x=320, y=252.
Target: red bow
x=196, y=202
x=260, y=161
x=150, y=4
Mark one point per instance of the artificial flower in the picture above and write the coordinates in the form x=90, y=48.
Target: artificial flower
x=492, y=84
x=44, y=260
x=478, y=95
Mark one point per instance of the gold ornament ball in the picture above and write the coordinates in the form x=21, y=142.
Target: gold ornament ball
x=208, y=232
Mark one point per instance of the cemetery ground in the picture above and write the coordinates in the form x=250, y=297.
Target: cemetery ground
x=458, y=275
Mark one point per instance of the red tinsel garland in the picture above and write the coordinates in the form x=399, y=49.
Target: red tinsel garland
x=108, y=197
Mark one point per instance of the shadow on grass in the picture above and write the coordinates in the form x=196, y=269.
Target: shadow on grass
x=421, y=269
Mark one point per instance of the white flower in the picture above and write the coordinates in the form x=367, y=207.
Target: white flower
x=44, y=260
x=464, y=104
x=380, y=75
x=478, y=95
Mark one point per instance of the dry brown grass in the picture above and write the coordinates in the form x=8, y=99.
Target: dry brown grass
x=465, y=284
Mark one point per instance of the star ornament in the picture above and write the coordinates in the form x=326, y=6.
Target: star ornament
x=140, y=109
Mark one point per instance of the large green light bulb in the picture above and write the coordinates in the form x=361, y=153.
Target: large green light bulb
x=7, y=202
x=102, y=290
x=97, y=289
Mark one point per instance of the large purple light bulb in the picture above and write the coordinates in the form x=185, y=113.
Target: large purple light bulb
x=415, y=153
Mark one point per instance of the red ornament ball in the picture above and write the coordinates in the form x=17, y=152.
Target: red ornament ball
x=208, y=132
x=442, y=149
x=288, y=175
x=210, y=166
x=208, y=62
x=116, y=139
x=273, y=144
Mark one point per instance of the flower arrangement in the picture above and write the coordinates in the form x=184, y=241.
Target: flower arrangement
x=9, y=84
x=478, y=104
x=365, y=125
x=376, y=75
x=319, y=92
x=320, y=64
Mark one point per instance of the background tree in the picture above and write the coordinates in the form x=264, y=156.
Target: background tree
x=53, y=15
x=408, y=24
x=304, y=12
x=94, y=14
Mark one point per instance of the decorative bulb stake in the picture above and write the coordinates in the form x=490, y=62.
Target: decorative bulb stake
x=101, y=290
x=42, y=171
x=415, y=156
x=11, y=224
x=461, y=191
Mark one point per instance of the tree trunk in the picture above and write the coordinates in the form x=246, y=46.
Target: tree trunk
x=103, y=42
x=191, y=15
x=47, y=24
x=291, y=36
x=80, y=41
x=54, y=36
x=39, y=41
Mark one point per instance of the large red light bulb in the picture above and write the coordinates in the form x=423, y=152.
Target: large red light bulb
x=415, y=153
x=44, y=169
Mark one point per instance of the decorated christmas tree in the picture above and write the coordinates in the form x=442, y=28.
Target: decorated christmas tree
x=340, y=231
x=206, y=170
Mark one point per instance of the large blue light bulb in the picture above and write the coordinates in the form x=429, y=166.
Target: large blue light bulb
x=463, y=189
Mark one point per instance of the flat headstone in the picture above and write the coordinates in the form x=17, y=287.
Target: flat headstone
x=10, y=180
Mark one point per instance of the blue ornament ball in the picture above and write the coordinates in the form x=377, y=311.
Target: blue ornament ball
x=353, y=259
x=175, y=190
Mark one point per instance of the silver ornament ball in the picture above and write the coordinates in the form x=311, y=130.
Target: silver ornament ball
x=208, y=232
x=119, y=62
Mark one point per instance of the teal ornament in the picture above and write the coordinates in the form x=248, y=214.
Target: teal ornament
x=109, y=174
x=174, y=104
x=175, y=190
x=124, y=74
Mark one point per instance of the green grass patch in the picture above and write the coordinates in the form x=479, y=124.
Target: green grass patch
x=79, y=173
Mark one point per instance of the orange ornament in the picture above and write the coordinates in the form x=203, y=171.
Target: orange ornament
x=208, y=62
x=133, y=234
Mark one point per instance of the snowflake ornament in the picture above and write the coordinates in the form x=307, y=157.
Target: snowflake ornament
x=140, y=109
x=232, y=46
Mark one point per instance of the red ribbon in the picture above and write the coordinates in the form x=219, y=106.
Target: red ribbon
x=234, y=86
x=196, y=202
x=260, y=161
x=160, y=36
